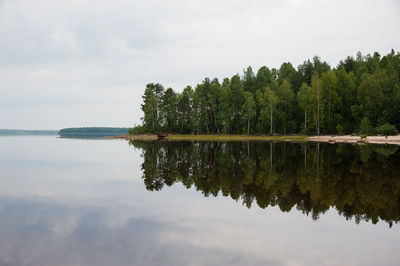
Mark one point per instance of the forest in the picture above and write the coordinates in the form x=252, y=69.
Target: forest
x=361, y=95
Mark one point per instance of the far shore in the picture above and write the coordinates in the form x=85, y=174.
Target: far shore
x=293, y=138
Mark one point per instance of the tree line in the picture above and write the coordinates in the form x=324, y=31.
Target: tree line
x=360, y=95
x=94, y=130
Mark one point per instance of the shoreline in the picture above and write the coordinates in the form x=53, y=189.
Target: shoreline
x=394, y=140
x=228, y=137
x=221, y=137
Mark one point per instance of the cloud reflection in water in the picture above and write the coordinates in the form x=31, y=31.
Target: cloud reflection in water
x=46, y=233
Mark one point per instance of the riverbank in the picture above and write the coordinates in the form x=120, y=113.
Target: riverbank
x=356, y=139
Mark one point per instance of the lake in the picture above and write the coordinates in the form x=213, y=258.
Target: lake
x=113, y=202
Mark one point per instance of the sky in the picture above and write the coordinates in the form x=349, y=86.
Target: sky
x=86, y=62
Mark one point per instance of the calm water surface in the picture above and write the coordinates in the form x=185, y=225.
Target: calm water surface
x=107, y=202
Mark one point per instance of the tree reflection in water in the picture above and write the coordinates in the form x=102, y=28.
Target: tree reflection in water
x=359, y=181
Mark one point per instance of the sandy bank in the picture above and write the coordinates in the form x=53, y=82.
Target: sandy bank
x=357, y=139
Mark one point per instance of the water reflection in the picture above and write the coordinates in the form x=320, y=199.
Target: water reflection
x=39, y=232
x=79, y=202
x=361, y=182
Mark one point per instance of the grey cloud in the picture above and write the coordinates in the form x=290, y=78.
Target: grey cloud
x=59, y=33
x=70, y=52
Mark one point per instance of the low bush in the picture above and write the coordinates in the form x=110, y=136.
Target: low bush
x=137, y=130
x=339, y=129
x=387, y=130
x=366, y=127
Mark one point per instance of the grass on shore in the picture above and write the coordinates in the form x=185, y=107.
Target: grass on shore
x=224, y=137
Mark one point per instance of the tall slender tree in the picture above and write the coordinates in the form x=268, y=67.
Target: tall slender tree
x=330, y=98
x=185, y=105
x=286, y=103
x=248, y=108
x=304, y=99
x=271, y=100
x=237, y=100
x=151, y=107
x=316, y=85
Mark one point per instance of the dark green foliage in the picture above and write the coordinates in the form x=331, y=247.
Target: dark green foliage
x=387, y=130
x=185, y=110
x=339, y=129
x=315, y=99
x=365, y=127
x=249, y=80
x=137, y=130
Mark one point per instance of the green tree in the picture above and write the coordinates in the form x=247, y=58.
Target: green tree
x=248, y=108
x=263, y=78
x=370, y=96
x=387, y=129
x=287, y=72
x=316, y=101
x=366, y=127
x=331, y=100
x=202, y=102
x=237, y=101
x=271, y=101
x=286, y=102
x=185, y=102
x=305, y=72
x=347, y=91
x=213, y=102
x=225, y=113
x=169, y=110
x=249, y=80
x=151, y=107
x=304, y=99
x=319, y=66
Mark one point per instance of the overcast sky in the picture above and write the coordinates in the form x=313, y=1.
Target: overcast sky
x=86, y=62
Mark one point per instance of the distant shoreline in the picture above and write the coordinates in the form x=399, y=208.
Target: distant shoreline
x=27, y=132
x=395, y=140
